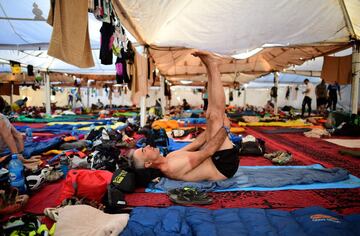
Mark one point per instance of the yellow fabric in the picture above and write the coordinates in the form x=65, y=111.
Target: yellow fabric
x=15, y=107
x=56, y=152
x=275, y=123
x=70, y=123
x=114, y=126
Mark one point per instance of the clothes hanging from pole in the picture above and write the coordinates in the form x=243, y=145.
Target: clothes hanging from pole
x=121, y=68
x=107, y=38
x=337, y=69
x=70, y=42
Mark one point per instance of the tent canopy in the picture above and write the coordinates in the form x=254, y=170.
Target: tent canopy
x=299, y=31
x=283, y=33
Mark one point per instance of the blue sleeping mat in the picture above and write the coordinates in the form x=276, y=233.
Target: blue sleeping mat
x=178, y=220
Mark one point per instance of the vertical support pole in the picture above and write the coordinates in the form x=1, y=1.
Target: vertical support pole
x=11, y=92
x=142, y=111
x=355, y=78
x=47, y=94
x=162, y=94
x=276, y=84
x=88, y=96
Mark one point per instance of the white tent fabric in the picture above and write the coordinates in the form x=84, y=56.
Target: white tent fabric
x=24, y=39
x=230, y=27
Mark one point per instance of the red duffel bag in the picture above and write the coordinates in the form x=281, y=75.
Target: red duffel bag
x=90, y=184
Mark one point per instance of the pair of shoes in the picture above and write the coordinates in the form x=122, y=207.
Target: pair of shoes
x=283, y=158
x=11, y=201
x=272, y=155
x=51, y=174
x=189, y=195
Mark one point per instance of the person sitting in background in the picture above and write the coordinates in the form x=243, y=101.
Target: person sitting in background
x=185, y=105
x=321, y=97
x=99, y=104
x=18, y=105
x=269, y=107
x=10, y=137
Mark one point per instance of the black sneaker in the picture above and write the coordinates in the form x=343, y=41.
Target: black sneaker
x=189, y=195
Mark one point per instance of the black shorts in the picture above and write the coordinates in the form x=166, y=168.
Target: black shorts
x=226, y=161
x=321, y=101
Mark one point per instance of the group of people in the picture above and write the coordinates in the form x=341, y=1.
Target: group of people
x=326, y=96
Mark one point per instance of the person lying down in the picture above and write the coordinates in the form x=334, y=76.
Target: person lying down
x=212, y=156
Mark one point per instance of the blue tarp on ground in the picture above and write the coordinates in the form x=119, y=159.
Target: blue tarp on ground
x=178, y=220
x=36, y=148
x=281, y=178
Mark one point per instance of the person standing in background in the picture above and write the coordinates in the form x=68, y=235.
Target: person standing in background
x=307, y=97
x=321, y=97
x=333, y=91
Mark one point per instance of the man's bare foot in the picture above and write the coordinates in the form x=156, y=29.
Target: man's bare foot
x=207, y=58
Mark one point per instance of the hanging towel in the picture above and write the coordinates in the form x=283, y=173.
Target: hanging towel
x=70, y=36
x=337, y=69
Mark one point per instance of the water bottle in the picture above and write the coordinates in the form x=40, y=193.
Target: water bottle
x=64, y=165
x=74, y=132
x=108, y=126
x=92, y=127
x=28, y=133
x=16, y=173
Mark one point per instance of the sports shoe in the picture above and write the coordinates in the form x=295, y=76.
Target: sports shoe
x=283, y=158
x=272, y=155
x=189, y=195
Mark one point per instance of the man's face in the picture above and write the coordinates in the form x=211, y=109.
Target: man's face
x=148, y=153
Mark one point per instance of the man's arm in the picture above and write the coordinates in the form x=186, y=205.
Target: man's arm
x=7, y=137
x=196, y=144
x=210, y=148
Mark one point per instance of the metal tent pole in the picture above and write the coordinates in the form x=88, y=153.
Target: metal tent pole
x=276, y=84
x=47, y=94
x=355, y=78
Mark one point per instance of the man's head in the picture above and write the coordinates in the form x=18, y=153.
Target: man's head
x=306, y=81
x=144, y=157
x=25, y=99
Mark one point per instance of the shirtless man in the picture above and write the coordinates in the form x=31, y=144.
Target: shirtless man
x=212, y=156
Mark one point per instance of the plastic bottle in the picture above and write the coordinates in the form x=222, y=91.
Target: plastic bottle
x=29, y=136
x=16, y=173
x=64, y=165
x=74, y=132
x=92, y=127
x=108, y=126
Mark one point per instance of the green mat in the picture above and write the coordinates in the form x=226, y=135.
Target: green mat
x=126, y=114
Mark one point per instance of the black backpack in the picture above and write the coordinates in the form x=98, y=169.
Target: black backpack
x=252, y=148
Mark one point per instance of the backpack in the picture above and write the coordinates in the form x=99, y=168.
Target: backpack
x=90, y=184
x=252, y=148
